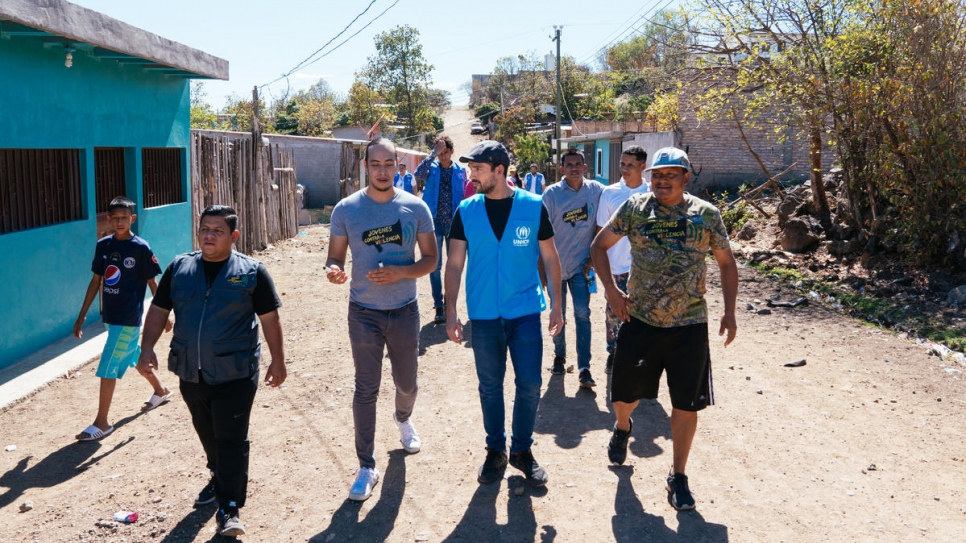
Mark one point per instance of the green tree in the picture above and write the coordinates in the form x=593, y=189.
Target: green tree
x=201, y=113
x=365, y=105
x=399, y=72
x=512, y=122
x=241, y=113
x=486, y=111
x=531, y=148
x=884, y=80
x=663, y=43
x=773, y=57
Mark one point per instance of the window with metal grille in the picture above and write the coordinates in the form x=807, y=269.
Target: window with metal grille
x=161, y=174
x=39, y=187
x=108, y=175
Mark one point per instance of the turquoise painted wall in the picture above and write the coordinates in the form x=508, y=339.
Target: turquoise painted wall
x=95, y=103
x=604, y=146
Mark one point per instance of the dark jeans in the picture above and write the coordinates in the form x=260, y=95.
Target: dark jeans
x=436, y=277
x=491, y=340
x=220, y=414
x=371, y=333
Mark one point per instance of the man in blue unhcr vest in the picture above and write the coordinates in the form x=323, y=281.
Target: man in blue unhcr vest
x=216, y=294
x=404, y=180
x=505, y=232
x=442, y=182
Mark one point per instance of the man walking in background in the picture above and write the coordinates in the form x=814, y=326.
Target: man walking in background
x=534, y=182
x=572, y=206
x=633, y=162
x=442, y=182
x=403, y=180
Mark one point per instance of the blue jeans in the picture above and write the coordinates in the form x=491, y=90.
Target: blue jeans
x=435, y=278
x=581, y=295
x=490, y=339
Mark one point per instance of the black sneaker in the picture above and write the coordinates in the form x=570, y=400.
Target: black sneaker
x=207, y=494
x=524, y=462
x=440, y=317
x=609, y=365
x=586, y=381
x=617, y=448
x=558, y=365
x=493, y=467
x=229, y=523
x=678, y=493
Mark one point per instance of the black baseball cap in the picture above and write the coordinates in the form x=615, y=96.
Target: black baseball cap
x=489, y=151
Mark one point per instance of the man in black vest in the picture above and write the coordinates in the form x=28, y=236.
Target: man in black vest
x=215, y=294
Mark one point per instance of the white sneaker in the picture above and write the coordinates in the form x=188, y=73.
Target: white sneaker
x=408, y=435
x=361, y=489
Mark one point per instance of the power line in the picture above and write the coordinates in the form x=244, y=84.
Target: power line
x=635, y=27
x=343, y=42
x=598, y=48
x=306, y=63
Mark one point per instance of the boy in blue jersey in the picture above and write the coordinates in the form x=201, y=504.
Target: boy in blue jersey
x=125, y=264
x=505, y=232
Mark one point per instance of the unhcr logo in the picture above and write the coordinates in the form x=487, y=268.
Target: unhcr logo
x=523, y=237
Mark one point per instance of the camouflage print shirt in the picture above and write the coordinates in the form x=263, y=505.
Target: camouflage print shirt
x=668, y=250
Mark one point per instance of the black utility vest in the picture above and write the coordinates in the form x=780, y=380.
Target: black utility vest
x=215, y=330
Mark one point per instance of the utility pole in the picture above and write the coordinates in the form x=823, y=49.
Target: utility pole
x=556, y=124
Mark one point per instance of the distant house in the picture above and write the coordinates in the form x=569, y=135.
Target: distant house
x=92, y=108
x=602, y=143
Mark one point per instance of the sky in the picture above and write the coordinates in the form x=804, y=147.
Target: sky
x=263, y=40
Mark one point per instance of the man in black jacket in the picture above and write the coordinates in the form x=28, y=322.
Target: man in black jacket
x=216, y=294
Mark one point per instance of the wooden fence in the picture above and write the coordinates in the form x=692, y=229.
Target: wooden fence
x=222, y=173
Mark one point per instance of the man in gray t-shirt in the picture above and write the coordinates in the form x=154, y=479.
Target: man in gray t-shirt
x=572, y=205
x=382, y=227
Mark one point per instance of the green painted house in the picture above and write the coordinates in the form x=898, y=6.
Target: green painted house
x=90, y=108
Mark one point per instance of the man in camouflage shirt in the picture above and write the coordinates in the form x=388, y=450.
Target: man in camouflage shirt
x=664, y=311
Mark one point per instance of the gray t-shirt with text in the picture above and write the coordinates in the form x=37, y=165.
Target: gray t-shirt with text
x=381, y=232
x=574, y=217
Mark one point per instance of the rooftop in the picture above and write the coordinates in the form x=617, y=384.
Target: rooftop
x=57, y=23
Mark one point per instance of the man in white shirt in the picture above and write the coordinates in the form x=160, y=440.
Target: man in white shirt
x=633, y=162
x=533, y=181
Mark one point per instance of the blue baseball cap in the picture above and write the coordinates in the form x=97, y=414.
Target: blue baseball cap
x=670, y=157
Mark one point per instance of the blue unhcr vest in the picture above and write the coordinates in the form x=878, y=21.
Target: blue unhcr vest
x=431, y=190
x=501, y=278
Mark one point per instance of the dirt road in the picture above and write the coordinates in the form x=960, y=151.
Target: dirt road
x=864, y=443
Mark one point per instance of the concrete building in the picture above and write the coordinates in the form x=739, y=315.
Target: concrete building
x=93, y=108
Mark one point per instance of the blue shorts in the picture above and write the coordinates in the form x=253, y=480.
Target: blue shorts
x=120, y=352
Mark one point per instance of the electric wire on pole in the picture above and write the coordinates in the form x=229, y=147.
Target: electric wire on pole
x=556, y=123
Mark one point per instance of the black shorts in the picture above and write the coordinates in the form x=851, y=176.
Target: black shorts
x=643, y=352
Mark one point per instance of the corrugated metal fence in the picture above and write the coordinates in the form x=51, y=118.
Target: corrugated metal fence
x=222, y=173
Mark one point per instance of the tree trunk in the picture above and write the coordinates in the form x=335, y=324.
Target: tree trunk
x=819, y=197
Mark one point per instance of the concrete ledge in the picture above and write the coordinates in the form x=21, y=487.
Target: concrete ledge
x=84, y=25
x=29, y=375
